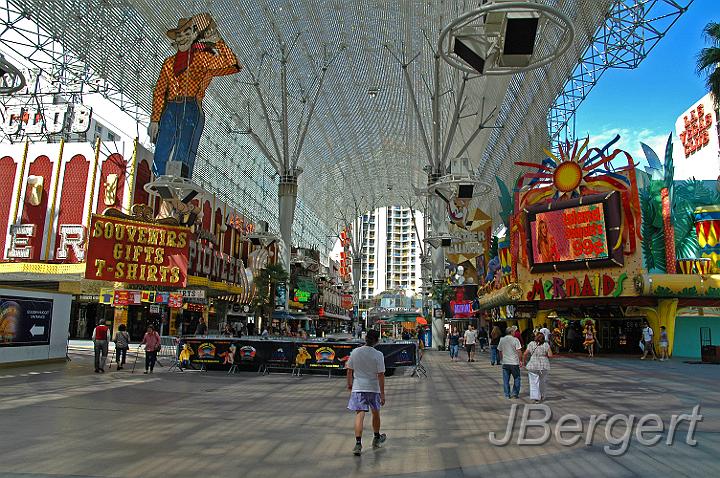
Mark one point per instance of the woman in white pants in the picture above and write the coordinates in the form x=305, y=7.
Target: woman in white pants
x=538, y=366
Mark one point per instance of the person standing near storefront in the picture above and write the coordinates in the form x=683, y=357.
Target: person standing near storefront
x=100, y=337
x=495, y=336
x=151, y=341
x=201, y=328
x=366, y=382
x=122, y=344
x=511, y=356
x=538, y=366
x=454, y=344
x=663, y=344
x=470, y=338
x=482, y=338
x=546, y=333
x=647, y=333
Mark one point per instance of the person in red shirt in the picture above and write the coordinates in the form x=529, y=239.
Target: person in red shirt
x=151, y=341
x=100, y=337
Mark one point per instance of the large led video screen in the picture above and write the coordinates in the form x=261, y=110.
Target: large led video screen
x=578, y=233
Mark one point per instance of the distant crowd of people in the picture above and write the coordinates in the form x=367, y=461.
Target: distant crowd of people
x=512, y=350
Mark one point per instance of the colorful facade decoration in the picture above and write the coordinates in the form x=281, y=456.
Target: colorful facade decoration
x=707, y=227
x=52, y=192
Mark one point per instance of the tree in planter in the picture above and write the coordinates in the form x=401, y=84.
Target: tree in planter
x=441, y=293
x=266, y=282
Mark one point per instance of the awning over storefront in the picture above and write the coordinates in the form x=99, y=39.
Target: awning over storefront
x=328, y=315
x=291, y=315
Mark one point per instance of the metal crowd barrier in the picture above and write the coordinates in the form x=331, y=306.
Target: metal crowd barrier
x=170, y=350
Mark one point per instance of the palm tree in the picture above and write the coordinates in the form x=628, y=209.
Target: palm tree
x=708, y=60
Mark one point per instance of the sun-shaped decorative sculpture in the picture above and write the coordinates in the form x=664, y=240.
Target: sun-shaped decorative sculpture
x=569, y=172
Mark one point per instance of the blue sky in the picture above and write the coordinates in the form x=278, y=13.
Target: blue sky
x=643, y=104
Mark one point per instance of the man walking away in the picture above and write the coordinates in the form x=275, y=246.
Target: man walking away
x=510, y=352
x=366, y=382
x=470, y=338
x=100, y=340
x=647, y=333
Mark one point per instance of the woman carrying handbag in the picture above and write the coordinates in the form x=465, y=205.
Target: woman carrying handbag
x=538, y=366
x=151, y=341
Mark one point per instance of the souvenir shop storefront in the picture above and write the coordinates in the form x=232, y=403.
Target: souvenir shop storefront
x=81, y=222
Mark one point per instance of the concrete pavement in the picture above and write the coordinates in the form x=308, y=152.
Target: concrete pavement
x=64, y=420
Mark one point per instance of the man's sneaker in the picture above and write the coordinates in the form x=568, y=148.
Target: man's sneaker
x=379, y=440
x=358, y=449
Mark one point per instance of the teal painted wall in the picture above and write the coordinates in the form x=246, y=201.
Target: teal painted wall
x=687, y=335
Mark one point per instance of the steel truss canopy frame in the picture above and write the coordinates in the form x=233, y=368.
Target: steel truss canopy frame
x=631, y=30
x=363, y=146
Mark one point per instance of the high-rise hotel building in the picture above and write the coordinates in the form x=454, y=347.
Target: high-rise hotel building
x=390, y=251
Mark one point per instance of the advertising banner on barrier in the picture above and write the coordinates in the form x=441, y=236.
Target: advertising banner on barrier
x=287, y=353
x=327, y=354
x=121, y=250
x=213, y=351
x=25, y=321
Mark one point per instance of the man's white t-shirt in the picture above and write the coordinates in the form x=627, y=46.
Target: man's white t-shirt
x=546, y=332
x=470, y=337
x=509, y=346
x=366, y=363
x=647, y=334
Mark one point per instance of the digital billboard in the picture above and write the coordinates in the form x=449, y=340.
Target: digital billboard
x=578, y=233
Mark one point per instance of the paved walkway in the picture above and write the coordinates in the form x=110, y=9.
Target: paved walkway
x=64, y=420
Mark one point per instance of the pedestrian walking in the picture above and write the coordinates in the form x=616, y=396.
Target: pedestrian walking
x=454, y=344
x=122, y=344
x=151, y=341
x=470, y=339
x=366, y=382
x=100, y=337
x=663, y=344
x=647, y=335
x=538, y=366
x=495, y=336
x=511, y=356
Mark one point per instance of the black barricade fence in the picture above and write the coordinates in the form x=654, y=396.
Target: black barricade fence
x=324, y=354
x=210, y=351
x=398, y=354
x=225, y=352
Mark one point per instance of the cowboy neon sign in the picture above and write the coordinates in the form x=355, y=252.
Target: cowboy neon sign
x=593, y=285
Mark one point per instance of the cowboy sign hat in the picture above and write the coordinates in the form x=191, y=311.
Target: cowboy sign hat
x=203, y=21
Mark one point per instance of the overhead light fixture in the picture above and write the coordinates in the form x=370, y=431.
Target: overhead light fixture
x=465, y=191
x=519, y=40
x=470, y=51
x=373, y=91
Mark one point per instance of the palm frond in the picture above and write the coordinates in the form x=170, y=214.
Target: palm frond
x=712, y=32
x=653, y=160
x=669, y=168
